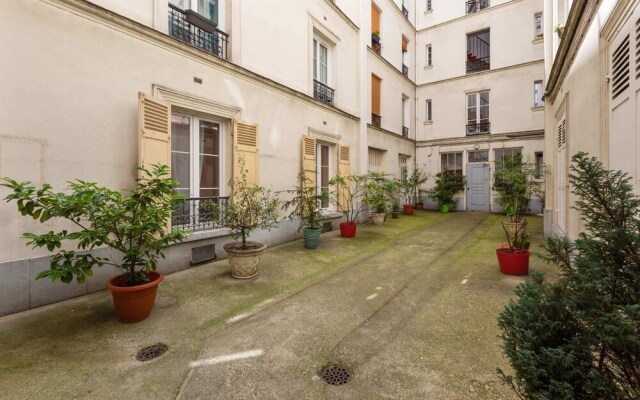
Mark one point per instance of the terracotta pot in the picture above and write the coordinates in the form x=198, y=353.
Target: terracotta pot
x=408, y=209
x=513, y=263
x=378, y=218
x=134, y=303
x=348, y=230
x=244, y=263
x=419, y=206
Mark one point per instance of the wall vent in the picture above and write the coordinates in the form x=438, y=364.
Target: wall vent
x=327, y=227
x=202, y=254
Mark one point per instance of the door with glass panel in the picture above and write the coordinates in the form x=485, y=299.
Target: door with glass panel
x=196, y=166
x=478, y=176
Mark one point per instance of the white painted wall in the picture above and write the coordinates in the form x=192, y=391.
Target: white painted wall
x=443, y=11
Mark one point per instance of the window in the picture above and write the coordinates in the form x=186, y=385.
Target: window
x=429, y=111
x=375, y=158
x=474, y=6
x=504, y=154
x=321, y=56
x=429, y=5
x=539, y=157
x=478, y=51
x=195, y=156
x=537, y=26
x=324, y=171
x=478, y=156
x=376, y=83
x=404, y=172
x=405, y=116
x=537, y=94
x=405, y=56
x=206, y=8
x=451, y=162
x=375, y=29
x=478, y=113
x=429, y=56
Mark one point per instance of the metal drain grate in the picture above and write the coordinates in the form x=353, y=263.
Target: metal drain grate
x=336, y=375
x=151, y=352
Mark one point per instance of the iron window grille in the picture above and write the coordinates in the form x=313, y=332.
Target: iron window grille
x=189, y=27
x=474, y=6
x=376, y=120
x=323, y=92
x=197, y=214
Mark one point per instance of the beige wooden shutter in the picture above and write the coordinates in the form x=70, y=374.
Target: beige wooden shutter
x=309, y=164
x=246, y=143
x=344, y=170
x=154, y=133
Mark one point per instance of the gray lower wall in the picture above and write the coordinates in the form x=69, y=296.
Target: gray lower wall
x=20, y=291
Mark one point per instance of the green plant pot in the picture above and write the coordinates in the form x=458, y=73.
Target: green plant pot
x=311, y=238
x=444, y=208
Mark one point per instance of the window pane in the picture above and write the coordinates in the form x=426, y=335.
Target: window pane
x=443, y=162
x=209, y=172
x=479, y=156
x=537, y=94
x=315, y=59
x=180, y=170
x=324, y=173
x=209, y=138
x=180, y=128
x=471, y=100
x=323, y=64
x=472, y=115
x=209, y=9
x=484, y=98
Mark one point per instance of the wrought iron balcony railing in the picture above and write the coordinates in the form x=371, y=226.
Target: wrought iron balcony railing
x=190, y=27
x=376, y=120
x=481, y=128
x=323, y=92
x=377, y=47
x=405, y=131
x=474, y=6
x=405, y=12
x=405, y=70
x=197, y=214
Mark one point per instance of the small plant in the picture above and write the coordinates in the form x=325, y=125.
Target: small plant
x=447, y=185
x=415, y=181
x=379, y=192
x=578, y=337
x=250, y=207
x=305, y=203
x=135, y=224
x=347, y=191
x=375, y=34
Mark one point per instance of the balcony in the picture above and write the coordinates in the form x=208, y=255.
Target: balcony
x=322, y=92
x=482, y=128
x=474, y=6
x=405, y=12
x=197, y=214
x=405, y=70
x=405, y=131
x=192, y=28
x=478, y=54
x=375, y=43
x=376, y=120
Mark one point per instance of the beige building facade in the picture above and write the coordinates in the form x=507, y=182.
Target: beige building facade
x=92, y=89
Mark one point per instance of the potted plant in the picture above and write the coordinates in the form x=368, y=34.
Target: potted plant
x=559, y=29
x=250, y=207
x=515, y=181
x=410, y=189
x=406, y=191
x=134, y=224
x=347, y=190
x=395, y=210
x=378, y=193
x=375, y=37
x=447, y=185
x=305, y=205
x=419, y=197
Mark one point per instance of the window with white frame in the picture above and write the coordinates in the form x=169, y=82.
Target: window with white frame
x=375, y=158
x=537, y=26
x=429, y=111
x=537, y=94
x=429, y=54
x=478, y=113
x=451, y=162
x=503, y=155
x=325, y=172
x=207, y=8
x=320, y=61
x=404, y=171
x=196, y=156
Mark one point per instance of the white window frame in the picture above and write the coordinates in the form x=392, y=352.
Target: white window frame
x=429, y=6
x=538, y=33
x=537, y=100
x=455, y=155
x=429, y=110
x=403, y=161
x=429, y=55
x=193, y=5
x=194, y=153
x=478, y=107
x=317, y=63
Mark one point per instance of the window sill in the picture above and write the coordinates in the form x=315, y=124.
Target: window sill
x=428, y=122
x=540, y=108
x=331, y=214
x=536, y=41
x=428, y=67
x=195, y=236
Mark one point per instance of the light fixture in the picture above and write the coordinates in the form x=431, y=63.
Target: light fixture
x=476, y=146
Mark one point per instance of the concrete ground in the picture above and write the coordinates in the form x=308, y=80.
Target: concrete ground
x=410, y=308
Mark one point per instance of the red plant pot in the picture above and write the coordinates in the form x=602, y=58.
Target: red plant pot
x=348, y=230
x=134, y=303
x=513, y=263
x=408, y=209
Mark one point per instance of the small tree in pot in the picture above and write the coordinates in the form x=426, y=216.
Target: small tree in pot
x=134, y=224
x=250, y=207
x=378, y=194
x=447, y=186
x=347, y=191
x=305, y=205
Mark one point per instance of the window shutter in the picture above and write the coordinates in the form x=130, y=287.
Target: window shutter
x=375, y=95
x=344, y=169
x=309, y=164
x=154, y=133
x=246, y=143
x=375, y=19
x=404, y=44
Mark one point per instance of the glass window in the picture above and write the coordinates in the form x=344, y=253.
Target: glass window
x=539, y=164
x=504, y=154
x=184, y=4
x=537, y=94
x=403, y=167
x=537, y=23
x=324, y=172
x=478, y=156
x=429, y=111
x=429, y=56
x=209, y=159
x=320, y=62
x=478, y=113
x=209, y=9
x=451, y=162
x=181, y=153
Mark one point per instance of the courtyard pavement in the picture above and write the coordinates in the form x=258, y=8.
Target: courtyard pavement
x=409, y=308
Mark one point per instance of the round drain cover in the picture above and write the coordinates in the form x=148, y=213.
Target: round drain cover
x=151, y=352
x=336, y=375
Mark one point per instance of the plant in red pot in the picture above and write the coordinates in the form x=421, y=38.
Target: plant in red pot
x=347, y=193
x=134, y=224
x=514, y=257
